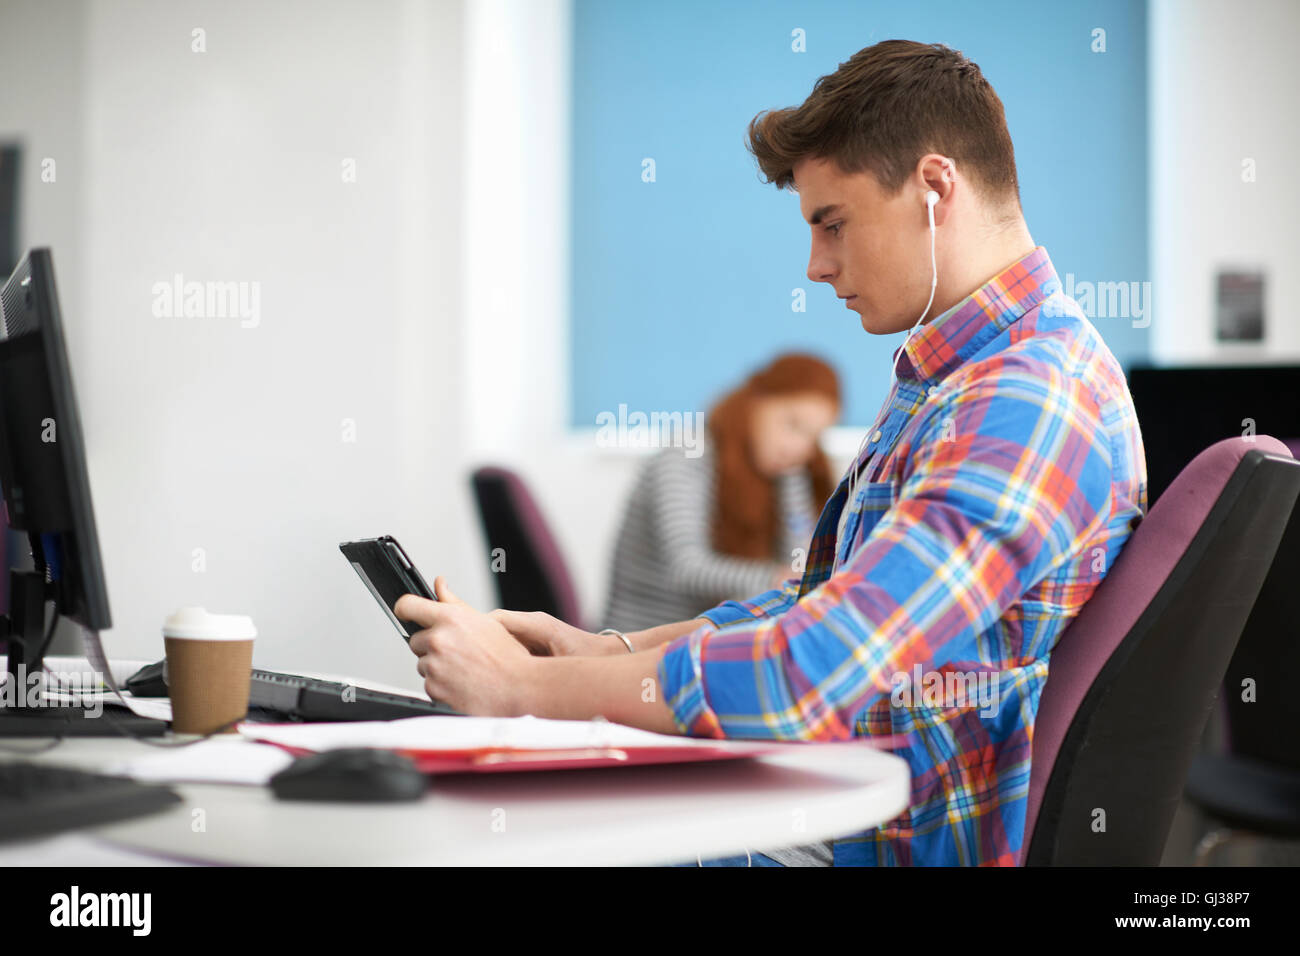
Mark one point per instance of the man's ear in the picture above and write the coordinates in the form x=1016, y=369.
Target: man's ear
x=938, y=173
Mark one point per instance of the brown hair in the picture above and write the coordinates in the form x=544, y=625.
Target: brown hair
x=884, y=109
x=745, y=516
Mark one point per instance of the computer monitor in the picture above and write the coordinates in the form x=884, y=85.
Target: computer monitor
x=45, y=485
x=1184, y=410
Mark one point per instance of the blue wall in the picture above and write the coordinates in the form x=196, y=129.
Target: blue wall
x=682, y=286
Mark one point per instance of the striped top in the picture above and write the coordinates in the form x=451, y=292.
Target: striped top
x=665, y=568
x=1006, y=477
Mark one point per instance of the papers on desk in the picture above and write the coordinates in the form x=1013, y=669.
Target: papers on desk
x=227, y=759
x=441, y=744
x=73, y=680
x=159, y=708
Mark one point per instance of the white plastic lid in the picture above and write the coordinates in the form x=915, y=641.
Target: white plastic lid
x=195, y=623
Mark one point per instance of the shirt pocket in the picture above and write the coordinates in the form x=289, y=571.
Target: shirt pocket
x=870, y=502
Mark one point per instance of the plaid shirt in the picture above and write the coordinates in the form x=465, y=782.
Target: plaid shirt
x=1002, y=476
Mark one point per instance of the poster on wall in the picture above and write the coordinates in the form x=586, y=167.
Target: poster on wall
x=1239, y=306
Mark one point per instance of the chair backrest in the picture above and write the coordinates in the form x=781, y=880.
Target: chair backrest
x=1132, y=680
x=1261, y=716
x=535, y=576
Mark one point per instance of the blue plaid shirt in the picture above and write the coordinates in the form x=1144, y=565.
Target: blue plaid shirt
x=1004, y=474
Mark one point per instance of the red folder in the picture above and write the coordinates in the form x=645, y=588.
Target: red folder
x=494, y=760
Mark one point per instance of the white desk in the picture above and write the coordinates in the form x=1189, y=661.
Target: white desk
x=615, y=816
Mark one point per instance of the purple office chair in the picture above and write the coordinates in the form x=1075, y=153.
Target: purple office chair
x=536, y=577
x=1134, y=677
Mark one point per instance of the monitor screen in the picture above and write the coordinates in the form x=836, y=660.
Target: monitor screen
x=42, y=457
x=1184, y=410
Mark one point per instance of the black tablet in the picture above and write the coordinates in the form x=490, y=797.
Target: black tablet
x=388, y=573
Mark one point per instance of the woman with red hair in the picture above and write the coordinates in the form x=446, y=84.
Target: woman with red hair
x=732, y=522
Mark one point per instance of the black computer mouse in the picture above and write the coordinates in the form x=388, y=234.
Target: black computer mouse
x=351, y=773
x=148, y=681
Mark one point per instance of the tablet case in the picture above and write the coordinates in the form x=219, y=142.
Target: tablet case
x=387, y=573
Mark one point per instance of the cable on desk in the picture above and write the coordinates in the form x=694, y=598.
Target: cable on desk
x=40, y=656
x=43, y=748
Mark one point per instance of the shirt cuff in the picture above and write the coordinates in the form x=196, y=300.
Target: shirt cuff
x=727, y=612
x=681, y=680
x=771, y=603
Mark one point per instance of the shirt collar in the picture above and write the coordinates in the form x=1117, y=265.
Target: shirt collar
x=944, y=343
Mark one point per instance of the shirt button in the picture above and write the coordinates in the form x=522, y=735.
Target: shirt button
x=876, y=436
x=932, y=389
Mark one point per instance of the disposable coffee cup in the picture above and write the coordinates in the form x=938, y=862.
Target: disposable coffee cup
x=208, y=669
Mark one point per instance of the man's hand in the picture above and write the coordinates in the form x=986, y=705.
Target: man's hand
x=467, y=659
x=545, y=635
x=471, y=662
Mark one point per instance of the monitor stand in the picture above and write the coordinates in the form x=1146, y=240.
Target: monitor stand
x=24, y=711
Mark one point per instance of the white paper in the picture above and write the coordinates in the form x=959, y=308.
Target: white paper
x=159, y=708
x=215, y=760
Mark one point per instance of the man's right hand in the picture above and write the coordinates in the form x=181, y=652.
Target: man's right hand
x=545, y=635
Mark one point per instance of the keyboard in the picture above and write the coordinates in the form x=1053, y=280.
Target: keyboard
x=38, y=798
x=276, y=696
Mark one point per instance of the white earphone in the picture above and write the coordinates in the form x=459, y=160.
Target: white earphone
x=931, y=200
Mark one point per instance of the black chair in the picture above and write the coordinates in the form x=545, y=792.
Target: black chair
x=1134, y=677
x=535, y=576
x=1254, y=787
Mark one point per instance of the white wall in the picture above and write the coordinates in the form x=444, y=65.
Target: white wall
x=42, y=63
x=517, y=291
x=1224, y=87
x=226, y=166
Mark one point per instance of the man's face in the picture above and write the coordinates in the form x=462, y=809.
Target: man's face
x=873, y=249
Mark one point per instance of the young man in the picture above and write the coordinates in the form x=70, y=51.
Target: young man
x=993, y=492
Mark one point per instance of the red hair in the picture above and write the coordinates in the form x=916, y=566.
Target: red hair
x=746, y=523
